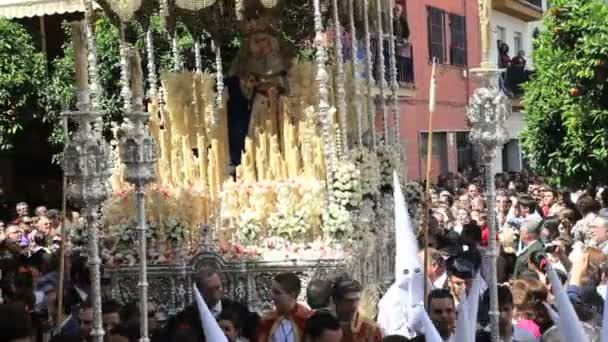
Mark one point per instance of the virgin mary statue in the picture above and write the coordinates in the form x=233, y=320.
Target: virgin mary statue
x=256, y=83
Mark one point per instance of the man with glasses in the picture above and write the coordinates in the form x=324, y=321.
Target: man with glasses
x=599, y=230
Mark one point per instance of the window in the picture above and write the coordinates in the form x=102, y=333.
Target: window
x=517, y=43
x=458, y=36
x=501, y=34
x=436, y=27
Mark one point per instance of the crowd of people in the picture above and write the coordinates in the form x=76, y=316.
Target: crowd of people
x=539, y=227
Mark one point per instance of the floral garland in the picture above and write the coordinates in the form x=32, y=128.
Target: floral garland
x=337, y=222
x=348, y=191
x=368, y=165
x=388, y=157
x=249, y=227
x=289, y=209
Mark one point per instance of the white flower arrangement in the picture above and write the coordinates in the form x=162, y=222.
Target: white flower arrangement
x=289, y=209
x=337, y=222
x=248, y=226
x=347, y=188
x=292, y=225
x=389, y=160
x=368, y=165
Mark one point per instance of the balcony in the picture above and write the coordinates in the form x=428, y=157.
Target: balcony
x=527, y=10
x=512, y=81
x=404, y=56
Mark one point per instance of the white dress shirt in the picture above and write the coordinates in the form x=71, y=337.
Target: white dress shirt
x=285, y=332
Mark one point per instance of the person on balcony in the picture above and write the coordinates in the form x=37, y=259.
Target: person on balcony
x=519, y=60
x=403, y=52
x=503, y=56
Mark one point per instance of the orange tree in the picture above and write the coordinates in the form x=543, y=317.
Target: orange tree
x=566, y=134
x=22, y=73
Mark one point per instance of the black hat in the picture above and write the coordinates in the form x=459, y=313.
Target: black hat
x=465, y=264
x=37, y=258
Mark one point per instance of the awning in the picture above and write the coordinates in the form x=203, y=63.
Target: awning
x=36, y=8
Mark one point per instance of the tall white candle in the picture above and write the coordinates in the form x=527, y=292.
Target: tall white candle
x=432, y=99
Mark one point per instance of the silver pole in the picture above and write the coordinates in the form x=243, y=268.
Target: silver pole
x=86, y=188
x=198, y=59
x=341, y=94
x=371, y=110
x=219, y=73
x=381, y=79
x=488, y=109
x=125, y=71
x=322, y=78
x=143, y=272
x=356, y=68
x=178, y=64
x=393, y=72
x=138, y=153
x=152, y=79
x=94, y=261
x=489, y=157
x=94, y=84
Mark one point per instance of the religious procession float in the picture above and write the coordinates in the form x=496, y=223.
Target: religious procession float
x=275, y=164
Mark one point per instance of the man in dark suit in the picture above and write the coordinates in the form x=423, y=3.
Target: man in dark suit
x=209, y=283
x=529, y=236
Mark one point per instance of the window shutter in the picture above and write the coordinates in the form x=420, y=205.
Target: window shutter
x=458, y=53
x=436, y=29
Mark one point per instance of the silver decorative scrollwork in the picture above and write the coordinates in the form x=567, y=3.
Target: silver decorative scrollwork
x=356, y=69
x=393, y=74
x=371, y=111
x=138, y=153
x=489, y=108
x=340, y=92
x=152, y=78
x=219, y=73
x=322, y=78
x=381, y=78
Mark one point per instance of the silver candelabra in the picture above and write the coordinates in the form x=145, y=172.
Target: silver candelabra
x=87, y=166
x=138, y=153
x=488, y=109
x=87, y=162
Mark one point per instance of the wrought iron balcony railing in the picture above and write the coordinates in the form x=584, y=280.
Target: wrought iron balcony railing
x=513, y=80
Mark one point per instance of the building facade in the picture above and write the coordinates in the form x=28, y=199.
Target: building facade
x=447, y=31
x=515, y=24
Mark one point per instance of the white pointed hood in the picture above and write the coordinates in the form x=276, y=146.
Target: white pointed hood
x=408, y=268
x=554, y=316
x=605, y=318
x=473, y=301
x=570, y=327
x=211, y=329
x=463, y=323
x=408, y=288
